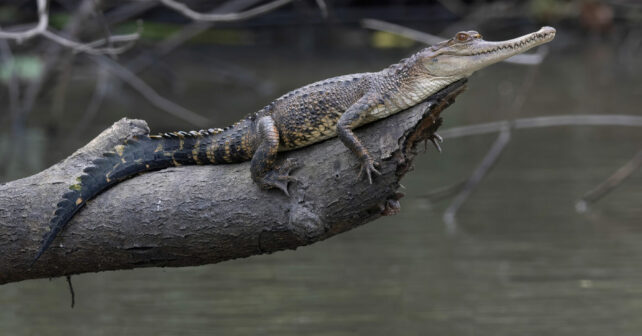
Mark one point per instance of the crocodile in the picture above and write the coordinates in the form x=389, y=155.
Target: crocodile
x=310, y=114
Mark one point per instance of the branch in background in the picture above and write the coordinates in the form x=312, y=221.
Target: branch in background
x=541, y=122
x=406, y=32
x=13, y=87
x=150, y=94
x=492, y=156
x=97, y=99
x=551, y=121
x=42, y=29
x=419, y=36
x=609, y=184
x=55, y=54
x=441, y=193
x=148, y=57
x=43, y=23
x=471, y=183
x=214, y=17
x=323, y=7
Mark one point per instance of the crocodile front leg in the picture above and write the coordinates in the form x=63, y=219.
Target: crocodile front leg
x=353, y=117
x=265, y=172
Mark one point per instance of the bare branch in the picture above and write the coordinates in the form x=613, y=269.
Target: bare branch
x=148, y=57
x=419, y=36
x=550, y=121
x=323, y=7
x=43, y=22
x=396, y=29
x=492, y=156
x=97, y=98
x=90, y=47
x=610, y=184
x=150, y=94
x=13, y=86
x=41, y=29
x=538, y=122
x=212, y=17
x=487, y=163
x=440, y=193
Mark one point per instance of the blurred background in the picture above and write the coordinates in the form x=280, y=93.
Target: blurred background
x=531, y=225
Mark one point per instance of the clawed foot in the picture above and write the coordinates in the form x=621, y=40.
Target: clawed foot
x=436, y=139
x=280, y=177
x=368, y=165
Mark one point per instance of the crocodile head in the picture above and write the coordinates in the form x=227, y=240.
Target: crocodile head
x=467, y=52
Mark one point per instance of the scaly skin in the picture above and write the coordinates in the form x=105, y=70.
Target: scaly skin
x=313, y=113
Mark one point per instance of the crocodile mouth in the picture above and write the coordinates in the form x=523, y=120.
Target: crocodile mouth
x=514, y=46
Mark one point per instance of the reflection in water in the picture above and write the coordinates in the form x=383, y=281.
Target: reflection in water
x=522, y=263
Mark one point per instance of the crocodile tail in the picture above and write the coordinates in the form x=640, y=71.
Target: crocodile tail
x=148, y=153
x=103, y=172
x=134, y=156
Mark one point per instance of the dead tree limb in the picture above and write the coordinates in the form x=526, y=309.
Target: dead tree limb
x=609, y=184
x=94, y=47
x=196, y=215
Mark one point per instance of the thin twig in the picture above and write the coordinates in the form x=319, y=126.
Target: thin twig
x=42, y=29
x=91, y=47
x=213, y=17
x=475, y=178
x=43, y=22
x=438, y=194
x=13, y=87
x=150, y=94
x=396, y=29
x=549, y=121
x=419, y=36
x=148, y=57
x=97, y=98
x=610, y=183
x=538, y=122
x=493, y=154
x=53, y=55
x=323, y=7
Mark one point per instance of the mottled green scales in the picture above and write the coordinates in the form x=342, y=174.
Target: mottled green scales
x=325, y=109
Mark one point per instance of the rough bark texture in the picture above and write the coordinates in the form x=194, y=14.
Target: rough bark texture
x=197, y=215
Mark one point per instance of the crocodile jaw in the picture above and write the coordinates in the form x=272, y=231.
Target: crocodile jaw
x=461, y=60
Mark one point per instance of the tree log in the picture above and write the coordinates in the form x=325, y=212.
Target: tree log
x=194, y=215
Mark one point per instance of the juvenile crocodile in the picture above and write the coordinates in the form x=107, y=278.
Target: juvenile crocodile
x=318, y=111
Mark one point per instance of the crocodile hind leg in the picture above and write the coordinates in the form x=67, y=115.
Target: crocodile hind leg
x=265, y=172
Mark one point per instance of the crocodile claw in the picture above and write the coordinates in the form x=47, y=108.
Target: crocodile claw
x=436, y=139
x=369, y=167
x=279, y=177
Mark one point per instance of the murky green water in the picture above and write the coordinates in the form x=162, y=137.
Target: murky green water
x=522, y=262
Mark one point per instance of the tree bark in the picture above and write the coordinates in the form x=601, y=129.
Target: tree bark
x=194, y=215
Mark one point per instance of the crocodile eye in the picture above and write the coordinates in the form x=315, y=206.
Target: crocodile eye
x=462, y=37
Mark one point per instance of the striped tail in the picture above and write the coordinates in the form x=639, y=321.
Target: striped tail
x=134, y=156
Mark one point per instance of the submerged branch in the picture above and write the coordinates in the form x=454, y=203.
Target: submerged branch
x=610, y=184
x=551, y=121
x=478, y=174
